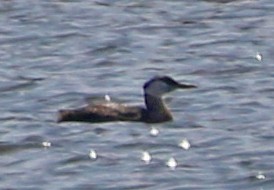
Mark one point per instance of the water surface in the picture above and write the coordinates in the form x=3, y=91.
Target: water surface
x=63, y=54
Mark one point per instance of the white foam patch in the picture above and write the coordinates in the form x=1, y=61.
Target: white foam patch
x=92, y=154
x=172, y=163
x=146, y=157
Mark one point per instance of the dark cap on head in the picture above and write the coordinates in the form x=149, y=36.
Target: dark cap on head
x=169, y=81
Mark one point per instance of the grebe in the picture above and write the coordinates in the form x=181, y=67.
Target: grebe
x=154, y=112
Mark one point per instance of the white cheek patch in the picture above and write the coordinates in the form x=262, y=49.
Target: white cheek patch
x=157, y=88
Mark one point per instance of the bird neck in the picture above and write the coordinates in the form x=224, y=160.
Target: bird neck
x=154, y=103
x=156, y=108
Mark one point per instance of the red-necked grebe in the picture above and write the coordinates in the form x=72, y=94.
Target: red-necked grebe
x=154, y=112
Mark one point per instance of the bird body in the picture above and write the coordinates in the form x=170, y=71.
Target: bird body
x=155, y=111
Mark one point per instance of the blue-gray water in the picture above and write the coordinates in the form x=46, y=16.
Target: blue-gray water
x=61, y=54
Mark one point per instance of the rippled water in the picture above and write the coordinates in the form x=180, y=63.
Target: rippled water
x=62, y=54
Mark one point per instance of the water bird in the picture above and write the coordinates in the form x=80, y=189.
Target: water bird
x=155, y=110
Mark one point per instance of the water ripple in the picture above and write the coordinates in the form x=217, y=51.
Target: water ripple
x=65, y=54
